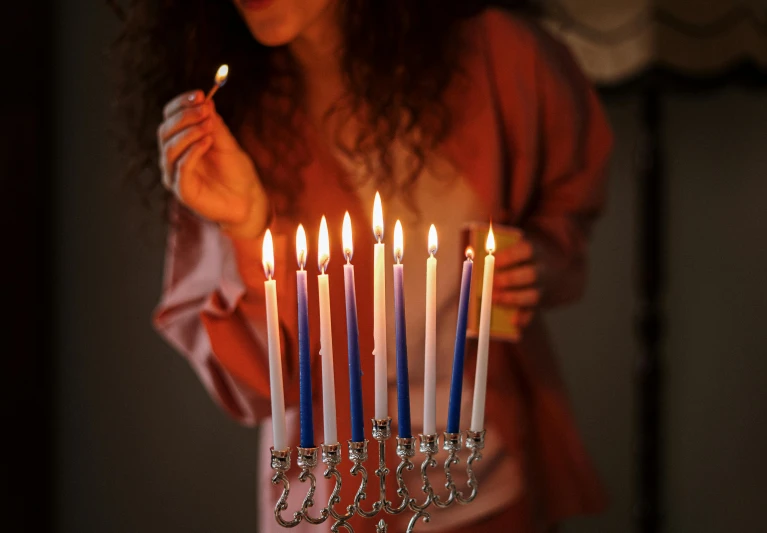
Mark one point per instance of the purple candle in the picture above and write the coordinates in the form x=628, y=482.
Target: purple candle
x=403, y=383
x=456, y=384
x=352, y=336
x=304, y=365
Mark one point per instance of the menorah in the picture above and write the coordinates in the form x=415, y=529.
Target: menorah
x=358, y=455
x=307, y=455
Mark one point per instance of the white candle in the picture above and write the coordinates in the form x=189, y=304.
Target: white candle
x=483, y=341
x=326, y=340
x=430, y=363
x=379, y=313
x=273, y=335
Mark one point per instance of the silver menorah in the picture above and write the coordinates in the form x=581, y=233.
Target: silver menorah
x=358, y=455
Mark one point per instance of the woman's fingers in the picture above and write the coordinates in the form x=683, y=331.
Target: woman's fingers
x=172, y=150
x=521, y=252
x=199, y=192
x=189, y=99
x=521, y=276
x=517, y=298
x=187, y=183
x=182, y=119
x=517, y=281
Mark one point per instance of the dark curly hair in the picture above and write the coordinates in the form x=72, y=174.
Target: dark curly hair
x=398, y=57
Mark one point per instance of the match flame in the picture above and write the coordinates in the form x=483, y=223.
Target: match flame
x=222, y=74
x=470, y=253
x=323, y=246
x=399, y=242
x=432, y=240
x=378, y=218
x=267, y=254
x=301, y=246
x=490, y=245
x=347, y=238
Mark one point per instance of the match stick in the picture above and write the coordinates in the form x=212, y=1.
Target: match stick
x=221, y=75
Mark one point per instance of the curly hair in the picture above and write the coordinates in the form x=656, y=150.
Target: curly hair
x=398, y=58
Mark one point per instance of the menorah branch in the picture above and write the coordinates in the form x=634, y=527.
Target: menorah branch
x=475, y=441
x=331, y=457
x=405, y=450
x=358, y=454
x=307, y=461
x=281, y=465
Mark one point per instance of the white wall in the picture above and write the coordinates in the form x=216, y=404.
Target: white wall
x=140, y=447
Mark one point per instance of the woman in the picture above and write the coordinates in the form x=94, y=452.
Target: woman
x=455, y=116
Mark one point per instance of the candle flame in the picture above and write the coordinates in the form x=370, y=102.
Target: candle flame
x=347, y=238
x=301, y=246
x=490, y=245
x=470, y=253
x=267, y=254
x=432, y=240
x=399, y=242
x=222, y=74
x=378, y=230
x=323, y=246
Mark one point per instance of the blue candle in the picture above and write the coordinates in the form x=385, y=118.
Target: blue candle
x=403, y=383
x=456, y=384
x=352, y=337
x=304, y=365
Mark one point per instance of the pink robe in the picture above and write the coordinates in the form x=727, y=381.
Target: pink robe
x=526, y=103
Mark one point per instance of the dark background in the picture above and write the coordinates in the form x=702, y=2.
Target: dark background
x=108, y=430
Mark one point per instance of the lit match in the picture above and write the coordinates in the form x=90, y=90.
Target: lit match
x=221, y=75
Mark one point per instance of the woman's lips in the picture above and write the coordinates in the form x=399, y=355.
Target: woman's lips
x=255, y=5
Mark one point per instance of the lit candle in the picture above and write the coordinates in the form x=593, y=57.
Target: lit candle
x=430, y=351
x=352, y=336
x=456, y=384
x=326, y=338
x=483, y=341
x=379, y=313
x=273, y=336
x=304, y=364
x=403, y=382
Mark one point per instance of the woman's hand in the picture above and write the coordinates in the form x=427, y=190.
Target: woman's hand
x=207, y=170
x=517, y=280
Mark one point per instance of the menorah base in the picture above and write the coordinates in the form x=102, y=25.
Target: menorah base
x=358, y=455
